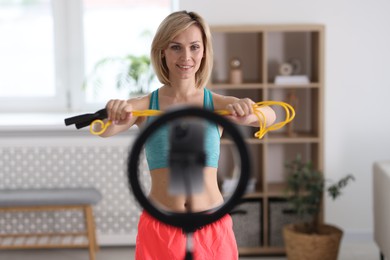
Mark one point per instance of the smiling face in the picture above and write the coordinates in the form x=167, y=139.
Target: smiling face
x=184, y=54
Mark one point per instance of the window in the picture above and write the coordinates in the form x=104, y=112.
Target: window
x=27, y=61
x=115, y=29
x=52, y=46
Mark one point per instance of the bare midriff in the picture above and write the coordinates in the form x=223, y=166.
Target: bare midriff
x=209, y=198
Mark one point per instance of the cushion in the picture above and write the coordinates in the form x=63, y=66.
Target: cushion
x=49, y=197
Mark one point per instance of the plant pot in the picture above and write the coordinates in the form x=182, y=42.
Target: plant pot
x=302, y=246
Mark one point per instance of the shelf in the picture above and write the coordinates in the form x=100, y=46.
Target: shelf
x=268, y=28
x=292, y=86
x=247, y=196
x=253, y=195
x=221, y=86
x=249, y=141
x=247, y=251
x=262, y=49
x=276, y=190
x=284, y=138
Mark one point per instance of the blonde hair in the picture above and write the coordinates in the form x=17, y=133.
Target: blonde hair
x=170, y=27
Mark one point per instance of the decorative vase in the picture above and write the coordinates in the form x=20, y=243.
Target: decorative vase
x=235, y=71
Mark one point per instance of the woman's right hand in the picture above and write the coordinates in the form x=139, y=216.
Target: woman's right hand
x=119, y=111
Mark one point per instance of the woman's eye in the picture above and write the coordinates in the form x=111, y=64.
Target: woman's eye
x=195, y=47
x=175, y=47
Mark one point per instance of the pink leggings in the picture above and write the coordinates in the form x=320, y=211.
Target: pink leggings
x=159, y=241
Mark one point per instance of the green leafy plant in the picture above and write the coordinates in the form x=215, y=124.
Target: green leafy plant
x=133, y=72
x=305, y=189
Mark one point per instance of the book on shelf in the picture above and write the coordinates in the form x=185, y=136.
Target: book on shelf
x=292, y=80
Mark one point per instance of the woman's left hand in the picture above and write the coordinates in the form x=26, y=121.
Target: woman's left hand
x=242, y=107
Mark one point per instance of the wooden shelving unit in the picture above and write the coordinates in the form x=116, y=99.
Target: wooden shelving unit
x=261, y=48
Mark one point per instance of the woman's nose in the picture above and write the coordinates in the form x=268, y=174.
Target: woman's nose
x=186, y=55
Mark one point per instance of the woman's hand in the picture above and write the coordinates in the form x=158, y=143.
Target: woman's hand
x=242, y=113
x=119, y=111
x=242, y=107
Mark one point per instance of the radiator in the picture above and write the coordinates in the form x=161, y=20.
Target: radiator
x=58, y=159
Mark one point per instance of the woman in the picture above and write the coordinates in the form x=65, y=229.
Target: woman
x=182, y=57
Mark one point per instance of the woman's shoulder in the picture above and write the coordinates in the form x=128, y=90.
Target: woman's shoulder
x=141, y=102
x=221, y=101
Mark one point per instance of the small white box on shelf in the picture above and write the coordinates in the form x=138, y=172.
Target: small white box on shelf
x=292, y=80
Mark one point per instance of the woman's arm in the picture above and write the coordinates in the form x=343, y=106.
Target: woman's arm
x=119, y=113
x=241, y=110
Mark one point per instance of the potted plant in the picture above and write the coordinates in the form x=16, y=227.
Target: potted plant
x=132, y=72
x=305, y=190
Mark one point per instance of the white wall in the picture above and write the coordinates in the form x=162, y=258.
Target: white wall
x=357, y=60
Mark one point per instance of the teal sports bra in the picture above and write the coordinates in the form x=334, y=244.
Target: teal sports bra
x=157, y=148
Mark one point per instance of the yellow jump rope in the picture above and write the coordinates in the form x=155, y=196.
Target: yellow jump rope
x=263, y=129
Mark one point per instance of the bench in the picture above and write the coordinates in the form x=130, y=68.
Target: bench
x=27, y=200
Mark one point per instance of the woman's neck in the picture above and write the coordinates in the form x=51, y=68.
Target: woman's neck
x=182, y=89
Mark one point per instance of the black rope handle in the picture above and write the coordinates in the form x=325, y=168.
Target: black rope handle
x=84, y=120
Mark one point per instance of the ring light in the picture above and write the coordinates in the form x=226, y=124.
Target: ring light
x=189, y=221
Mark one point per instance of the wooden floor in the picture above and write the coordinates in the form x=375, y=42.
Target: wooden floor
x=349, y=251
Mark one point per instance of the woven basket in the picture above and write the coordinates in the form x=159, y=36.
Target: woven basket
x=322, y=246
